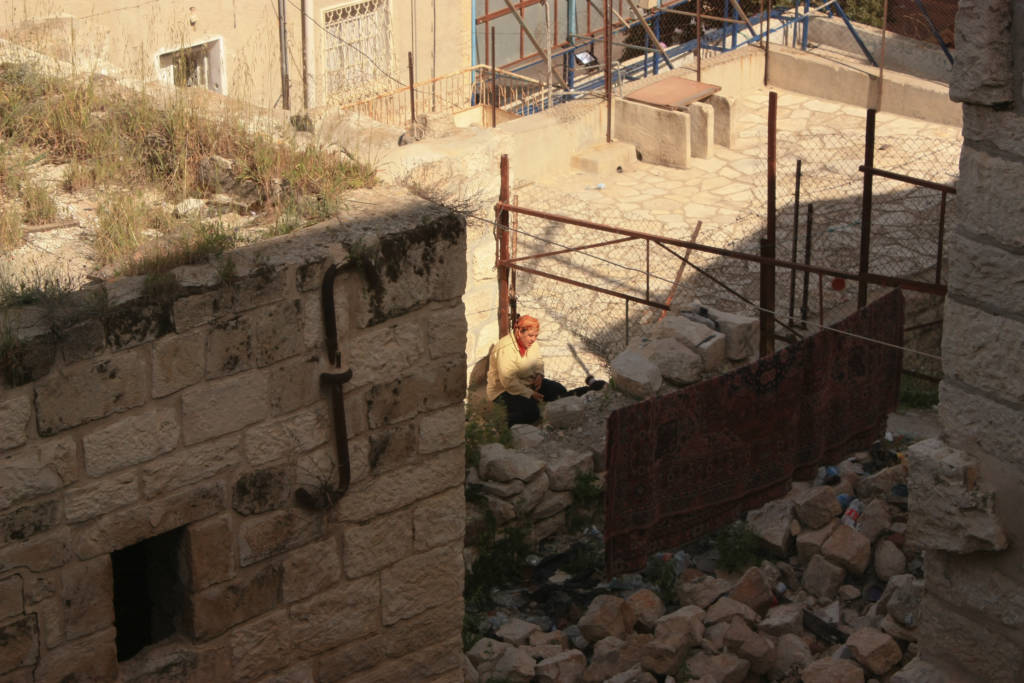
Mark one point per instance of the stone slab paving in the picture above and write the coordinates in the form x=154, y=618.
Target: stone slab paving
x=726, y=193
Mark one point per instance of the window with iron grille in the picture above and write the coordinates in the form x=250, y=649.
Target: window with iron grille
x=358, y=55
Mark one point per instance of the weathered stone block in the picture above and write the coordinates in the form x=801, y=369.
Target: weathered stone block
x=93, y=658
x=253, y=340
x=38, y=555
x=447, y=331
x=567, y=666
x=82, y=341
x=50, y=615
x=876, y=651
x=1002, y=128
x=188, y=466
x=389, y=350
x=946, y=634
x=310, y=570
x=12, y=601
x=210, y=546
x=100, y=495
x=981, y=213
x=222, y=406
x=950, y=510
x=260, y=646
x=702, y=130
x=261, y=491
x=817, y=506
x=132, y=524
x=293, y=384
x=753, y=590
x=276, y=532
x=170, y=660
x=771, y=522
x=607, y=616
x=375, y=496
x=130, y=440
x=25, y=522
x=830, y=670
x=282, y=439
x=217, y=609
x=983, y=71
x=439, y=520
x=420, y=582
x=442, y=429
x=635, y=374
x=975, y=581
x=501, y=464
x=15, y=411
x=676, y=363
x=21, y=643
x=980, y=424
x=726, y=115
x=25, y=476
x=985, y=274
x=88, y=594
x=377, y=544
x=337, y=616
x=178, y=362
x=90, y=390
x=981, y=349
x=391, y=448
x=848, y=548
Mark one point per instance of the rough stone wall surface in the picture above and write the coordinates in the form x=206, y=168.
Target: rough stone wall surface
x=970, y=621
x=200, y=410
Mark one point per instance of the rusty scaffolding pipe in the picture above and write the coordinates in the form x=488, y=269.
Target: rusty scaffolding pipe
x=865, y=214
x=501, y=218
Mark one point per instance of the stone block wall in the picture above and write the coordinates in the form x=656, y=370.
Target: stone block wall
x=971, y=620
x=192, y=406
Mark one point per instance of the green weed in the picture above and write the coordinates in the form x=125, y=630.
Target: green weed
x=123, y=220
x=587, y=499
x=738, y=547
x=39, y=205
x=486, y=422
x=499, y=563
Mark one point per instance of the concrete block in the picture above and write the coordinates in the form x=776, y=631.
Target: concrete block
x=188, y=466
x=100, y=495
x=983, y=350
x=310, y=569
x=15, y=411
x=274, y=533
x=376, y=544
x=88, y=594
x=90, y=390
x=335, y=617
x=605, y=159
x=635, y=374
x=727, y=114
x=419, y=582
x=702, y=130
x=661, y=136
x=983, y=70
x=986, y=195
x=676, y=363
x=130, y=440
x=217, y=609
x=178, y=361
x=222, y=406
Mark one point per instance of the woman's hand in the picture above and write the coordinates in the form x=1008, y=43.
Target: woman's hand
x=537, y=381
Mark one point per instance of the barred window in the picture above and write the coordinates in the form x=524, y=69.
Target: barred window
x=358, y=54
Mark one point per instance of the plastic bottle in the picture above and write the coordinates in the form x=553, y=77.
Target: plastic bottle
x=852, y=514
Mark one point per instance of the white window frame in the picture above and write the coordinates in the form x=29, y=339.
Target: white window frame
x=370, y=66
x=209, y=72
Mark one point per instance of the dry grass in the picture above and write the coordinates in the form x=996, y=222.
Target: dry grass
x=39, y=204
x=10, y=228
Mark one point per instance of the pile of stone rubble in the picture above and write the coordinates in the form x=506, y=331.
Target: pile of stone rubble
x=839, y=601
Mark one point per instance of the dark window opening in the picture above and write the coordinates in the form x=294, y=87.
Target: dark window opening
x=149, y=592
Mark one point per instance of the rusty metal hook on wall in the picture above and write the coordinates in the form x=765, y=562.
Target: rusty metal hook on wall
x=333, y=380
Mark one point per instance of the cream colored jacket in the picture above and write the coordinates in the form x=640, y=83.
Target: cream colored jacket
x=508, y=371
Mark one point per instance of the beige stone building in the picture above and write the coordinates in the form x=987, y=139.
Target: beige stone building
x=337, y=50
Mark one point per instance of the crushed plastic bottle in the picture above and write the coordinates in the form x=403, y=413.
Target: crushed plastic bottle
x=852, y=515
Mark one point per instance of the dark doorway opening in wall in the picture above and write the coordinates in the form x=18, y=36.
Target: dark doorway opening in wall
x=149, y=592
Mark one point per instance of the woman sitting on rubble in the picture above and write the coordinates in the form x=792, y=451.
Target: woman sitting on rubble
x=515, y=374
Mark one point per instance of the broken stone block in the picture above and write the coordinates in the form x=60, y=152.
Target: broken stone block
x=634, y=374
x=817, y=506
x=889, y=560
x=791, y=655
x=822, y=578
x=703, y=591
x=606, y=616
x=875, y=519
x=848, y=548
x=563, y=466
x=613, y=656
x=501, y=464
x=741, y=334
x=647, y=607
x=920, y=671
x=515, y=666
x=783, y=619
x=901, y=599
x=754, y=591
x=526, y=436
x=880, y=484
x=770, y=523
x=949, y=509
x=876, y=651
x=723, y=668
x=517, y=631
x=634, y=674
x=666, y=653
x=566, y=412
x=809, y=543
x=832, y=671
x=727, y=608
x=677, y=364
x=567, y=666
x=688, y=621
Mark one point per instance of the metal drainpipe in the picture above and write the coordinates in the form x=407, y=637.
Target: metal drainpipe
x=283, y=33
x=308, y=92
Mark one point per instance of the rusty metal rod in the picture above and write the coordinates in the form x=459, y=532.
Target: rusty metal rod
x=412, y=96
x=700, y=31
x=594, y=288
x=682, y=266
x=796, y=239
x=494, y=83
x=765, y=329
x=875, y=279
x=710, y=17
x=920, y=182
x=570, y=250
x=942, y=235
x=501, y=217
x=865, y=214
x=807, y=262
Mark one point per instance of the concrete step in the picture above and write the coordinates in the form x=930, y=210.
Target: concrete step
x=606, y=158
